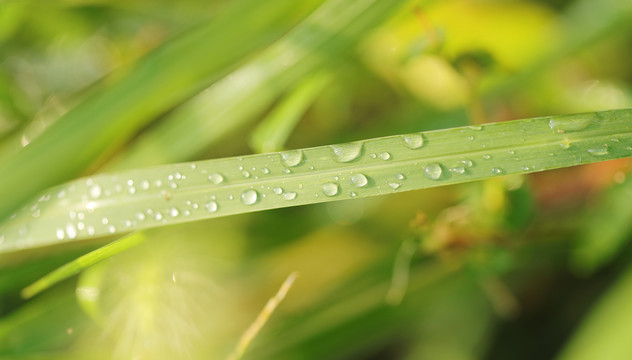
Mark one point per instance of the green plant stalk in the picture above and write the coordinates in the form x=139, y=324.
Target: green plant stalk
x=145, y=198
x=76, y=266
x=164, y=78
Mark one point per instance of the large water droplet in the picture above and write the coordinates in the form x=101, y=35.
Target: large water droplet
x=413, y=141
x=292, y=157
x=433, y=171
x=599, y=151
x=216, y=178
x=249, y=197
x=568, y=125
x=358, y=180
x=95, y=191
x=385, y=155
x=347, y=152
x=211, y=206
x=331, y=189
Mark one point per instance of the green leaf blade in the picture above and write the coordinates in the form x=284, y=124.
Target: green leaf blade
x=145, y=198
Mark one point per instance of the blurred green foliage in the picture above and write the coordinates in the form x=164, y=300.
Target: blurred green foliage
x=515, y=267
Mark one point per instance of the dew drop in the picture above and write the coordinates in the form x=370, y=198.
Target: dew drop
x=353, y=194
x=265, y=170
x=467, y=162
x=330, y=189
x=568, y=125
x=245, y=174
x=358, y=180
x=292, y=157
x=394, y=185
x=289, y=196
x=132, y=190
x=476, y=127
x=599, y=151
x=91, y=230
x=174, y=212
x=487, y=156
x=139, y=216
x=497, y=171
x=385, y=155
x=565, y=144
x=249, y=197
x=413, y=141
x=216, y=178
x=458, y=170
x=60, y=234
x=470, y=138
x=511, y=152
x=347, y=152
x=277, y=190
x=400, y=176
x=211, y=206
x=433, y=171
x=158, y=216
x=111, y=229
x=144, y=184
x=95, y=191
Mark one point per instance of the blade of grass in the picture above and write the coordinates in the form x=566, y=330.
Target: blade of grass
x=81, y=263
x=321, y=40
x=275, y=129
x=164, y=78
x=145, y=198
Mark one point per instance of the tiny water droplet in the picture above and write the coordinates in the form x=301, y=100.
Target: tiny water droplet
x=60, y=234
x=330, y=189
x=158, y=216
x=277, y=190
x=372, y=156
x=565, y=144
x=433, y=171
x=476, y=127
x=245, y=174
x=358, y=180
x=95, y=191
x=286, y=171
x=347, y=152
x=394, y=185
x=458, y=170
x=216, y=178
x=599, y=151
x=289, y=196
x=144, y=184
x=91, y=230
x=400, y=176
x=525, y=168
x=292, y=157
x=497, y=171
x=112, y=229
x=487, y=156
x=249, y=197
x=511, y=152
x=139, y=216
x=385, y=155
x=265, y=170
x=470, y=138
x=104, y=221
x=132, y=190
x=174, y=212
x=353, y=194
x=413, y=141
x=211, y=206
x=467, y=162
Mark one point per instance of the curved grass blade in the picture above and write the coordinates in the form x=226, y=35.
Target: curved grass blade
x=319, y=41
x=146, y=198
x=81, y=263
x=164, y=78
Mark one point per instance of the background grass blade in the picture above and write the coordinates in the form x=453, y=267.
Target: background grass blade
x=166, y=77
x=117, y=203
